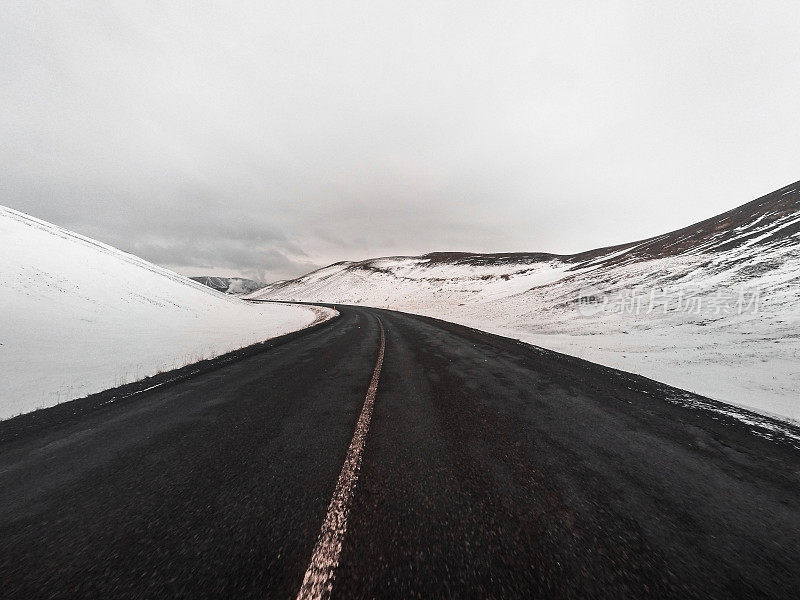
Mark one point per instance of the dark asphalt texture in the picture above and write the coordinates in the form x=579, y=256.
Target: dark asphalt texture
x=491, y=469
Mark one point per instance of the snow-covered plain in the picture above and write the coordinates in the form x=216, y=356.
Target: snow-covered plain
x=738, y=341
x=79, y=317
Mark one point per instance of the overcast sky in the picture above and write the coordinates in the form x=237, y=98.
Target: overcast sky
x=268, y=138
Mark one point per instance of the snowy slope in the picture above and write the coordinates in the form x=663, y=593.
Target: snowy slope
x=713, y=308
x=79, y=317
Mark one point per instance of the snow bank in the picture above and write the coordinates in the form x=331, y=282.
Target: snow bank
x=79, y=317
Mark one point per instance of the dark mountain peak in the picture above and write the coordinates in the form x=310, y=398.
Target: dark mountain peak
x=769, y=221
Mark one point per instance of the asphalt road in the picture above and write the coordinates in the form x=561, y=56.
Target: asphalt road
x=487, y=469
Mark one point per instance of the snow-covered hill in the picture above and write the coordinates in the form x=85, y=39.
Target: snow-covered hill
x=229, y=285
x=79, y=317
x=713, y=308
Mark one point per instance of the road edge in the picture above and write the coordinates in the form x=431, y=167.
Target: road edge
x=776, y=430
x=15, y=427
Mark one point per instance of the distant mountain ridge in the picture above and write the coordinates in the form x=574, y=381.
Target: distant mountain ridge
x=746, y=359
x=229, y=285
x=770, y=220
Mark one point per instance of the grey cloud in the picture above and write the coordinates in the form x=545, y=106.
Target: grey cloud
x=282, y=136
x=223, y=256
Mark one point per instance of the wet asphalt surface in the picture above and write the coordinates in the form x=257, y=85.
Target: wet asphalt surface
x=491, y=469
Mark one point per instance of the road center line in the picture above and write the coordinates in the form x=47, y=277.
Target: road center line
x=318, y=581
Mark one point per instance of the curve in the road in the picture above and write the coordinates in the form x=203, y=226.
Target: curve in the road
x=489, y=469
